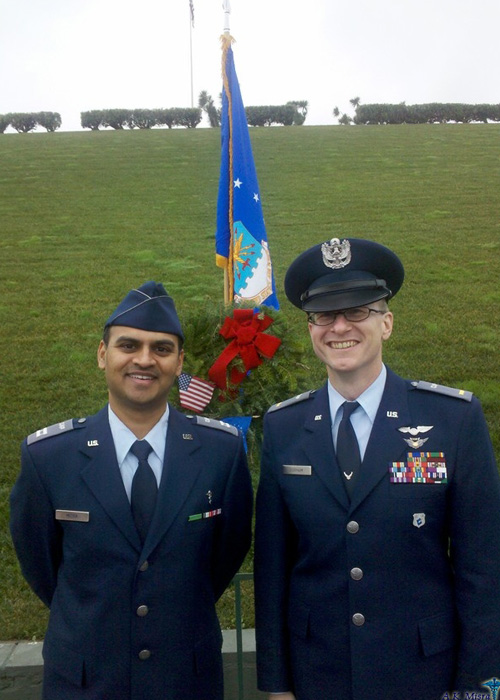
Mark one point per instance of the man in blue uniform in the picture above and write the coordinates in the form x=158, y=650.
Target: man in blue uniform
x=129, y=525
x=377, y=553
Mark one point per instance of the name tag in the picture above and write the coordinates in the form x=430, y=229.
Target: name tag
x=297, y=469
x=79, y=516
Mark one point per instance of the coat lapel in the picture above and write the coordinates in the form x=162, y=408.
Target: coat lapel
x=318, y=445
x=180, y=471
x=102, y=475
x=385, y=444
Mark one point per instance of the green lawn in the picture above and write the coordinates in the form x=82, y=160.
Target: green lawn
x=86, y=216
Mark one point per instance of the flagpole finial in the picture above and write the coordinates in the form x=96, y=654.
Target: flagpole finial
x=227, y=11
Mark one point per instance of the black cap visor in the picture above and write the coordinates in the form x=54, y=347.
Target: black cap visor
x=344, y=295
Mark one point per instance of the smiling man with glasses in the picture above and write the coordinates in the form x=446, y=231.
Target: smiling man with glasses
x=377, y=553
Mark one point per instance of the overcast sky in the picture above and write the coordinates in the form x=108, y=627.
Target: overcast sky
x=69, y=56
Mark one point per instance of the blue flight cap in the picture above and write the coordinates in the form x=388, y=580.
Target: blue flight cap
x=149, y=308
x=342, y=274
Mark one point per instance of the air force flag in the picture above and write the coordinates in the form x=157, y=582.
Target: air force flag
x=240, y=240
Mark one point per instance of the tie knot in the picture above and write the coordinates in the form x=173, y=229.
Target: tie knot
x=141, y=449
x=348, y=409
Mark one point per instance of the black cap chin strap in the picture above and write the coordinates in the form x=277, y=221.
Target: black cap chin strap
x=351, y=285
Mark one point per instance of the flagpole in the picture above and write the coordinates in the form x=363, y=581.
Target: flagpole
x=191, y=58
x=228, y=270
x=191, y=22
x=227, y=11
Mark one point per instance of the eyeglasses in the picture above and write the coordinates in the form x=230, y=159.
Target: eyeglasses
x=325, y=318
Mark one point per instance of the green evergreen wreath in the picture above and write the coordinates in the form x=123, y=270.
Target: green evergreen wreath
x=276, y=379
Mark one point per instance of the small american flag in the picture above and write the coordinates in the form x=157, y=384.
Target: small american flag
x=194, y=393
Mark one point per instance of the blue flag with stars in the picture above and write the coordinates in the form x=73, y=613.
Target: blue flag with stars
x=240, y=241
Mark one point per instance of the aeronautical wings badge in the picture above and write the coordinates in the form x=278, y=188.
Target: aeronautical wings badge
x=415, y=441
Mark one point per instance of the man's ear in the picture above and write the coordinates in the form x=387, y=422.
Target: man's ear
x=388, y=322
x=181, y=362
x=101, y=355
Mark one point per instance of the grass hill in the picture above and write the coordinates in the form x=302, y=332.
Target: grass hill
x=84, y=217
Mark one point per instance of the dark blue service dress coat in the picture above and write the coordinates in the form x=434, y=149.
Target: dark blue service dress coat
x=395, y=594
x=130, y=622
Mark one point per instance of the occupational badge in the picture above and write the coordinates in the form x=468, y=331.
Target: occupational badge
x=418, y=519
x=415, y=441
x=336, y=254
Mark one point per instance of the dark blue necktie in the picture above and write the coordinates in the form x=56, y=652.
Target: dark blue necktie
x=144, y=489
x=348, y=455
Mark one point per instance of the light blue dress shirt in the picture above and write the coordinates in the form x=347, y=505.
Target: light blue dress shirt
x=362, y=419
x=124, y=438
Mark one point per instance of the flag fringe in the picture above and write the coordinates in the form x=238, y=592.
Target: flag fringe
x=226, y=43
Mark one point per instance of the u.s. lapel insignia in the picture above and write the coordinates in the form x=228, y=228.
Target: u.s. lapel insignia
x=392, y=414
x=318, y=417
x=92, y=443
x=187, y=436
x=418, y=519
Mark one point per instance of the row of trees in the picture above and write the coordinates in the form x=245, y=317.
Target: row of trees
x=23, y=122
x=432, y=113
x=293, y=112
x=141, y=118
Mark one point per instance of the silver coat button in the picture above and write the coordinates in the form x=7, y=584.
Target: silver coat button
x=142, y=610
x=358, y=619
x=144, y=566
x=144, y=654
x=356, y=574
x=352, y=527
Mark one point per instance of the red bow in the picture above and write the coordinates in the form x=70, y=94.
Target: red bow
x=247, y=328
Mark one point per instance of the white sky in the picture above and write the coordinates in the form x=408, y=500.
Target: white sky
x=69, y=56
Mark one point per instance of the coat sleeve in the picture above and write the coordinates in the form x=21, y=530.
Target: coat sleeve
x=475, y=552
x=234, y=532
x=275, y=551
x=35, y=532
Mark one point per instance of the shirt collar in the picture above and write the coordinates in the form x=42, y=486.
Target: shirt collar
x=124, y=438
x=369, y=400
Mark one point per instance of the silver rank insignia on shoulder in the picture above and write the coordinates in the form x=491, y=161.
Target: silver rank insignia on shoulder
x=336, y=254
x=415, y=441
x=51, y=431
x=290, y=402
x=446, y=390
x=217, y=424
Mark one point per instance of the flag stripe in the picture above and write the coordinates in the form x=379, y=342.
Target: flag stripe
x=194, y=393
